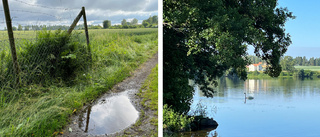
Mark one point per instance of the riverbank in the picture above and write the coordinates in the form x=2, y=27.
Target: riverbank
x=176, y=124
x=284, y=74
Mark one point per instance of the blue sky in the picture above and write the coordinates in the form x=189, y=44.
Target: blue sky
x=305, y=29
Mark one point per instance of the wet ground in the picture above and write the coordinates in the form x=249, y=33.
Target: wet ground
x=115, y=110
x=114, y=113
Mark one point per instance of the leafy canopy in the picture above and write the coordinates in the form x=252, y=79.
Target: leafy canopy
x=106, y=24
x=203, y=39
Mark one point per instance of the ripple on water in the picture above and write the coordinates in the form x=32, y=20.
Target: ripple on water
x=110, y=115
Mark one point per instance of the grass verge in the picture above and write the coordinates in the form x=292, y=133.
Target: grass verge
x=149, y=95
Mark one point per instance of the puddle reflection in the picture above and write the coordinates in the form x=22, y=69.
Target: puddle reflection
x=110, y=115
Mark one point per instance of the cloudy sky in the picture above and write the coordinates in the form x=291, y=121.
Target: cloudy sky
x=63, y=12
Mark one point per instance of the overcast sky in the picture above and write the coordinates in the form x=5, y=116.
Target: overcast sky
x=63, y=12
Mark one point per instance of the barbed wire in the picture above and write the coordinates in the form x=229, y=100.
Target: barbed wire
x=61, y=19
x=43, y=6
x=37, y=12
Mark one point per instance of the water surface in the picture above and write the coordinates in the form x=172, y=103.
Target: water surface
x=109, y=115
x=280, y=108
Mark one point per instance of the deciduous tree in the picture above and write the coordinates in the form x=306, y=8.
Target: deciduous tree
x=203, y=39
x=134, y=21
x=106, y=24
x=123, y=22
x=287, y=64
x=19, y=27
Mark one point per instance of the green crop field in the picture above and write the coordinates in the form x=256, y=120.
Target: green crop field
x=312, y=68
x=57, y=76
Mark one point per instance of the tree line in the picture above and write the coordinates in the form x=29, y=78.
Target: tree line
x=148, y=23
x=297, y=61
x=41, y=27
x=303, y=61
x=288, y=64
x=151, y=22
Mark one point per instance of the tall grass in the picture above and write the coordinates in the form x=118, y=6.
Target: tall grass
x=40, y=109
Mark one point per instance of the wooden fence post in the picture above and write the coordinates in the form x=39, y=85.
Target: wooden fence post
x=11, y=39
x=75, y=22
x=73, y=25
x=86, y=31
x=85, y=25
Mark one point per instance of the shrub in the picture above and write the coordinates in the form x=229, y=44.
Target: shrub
x=53, y=56
x=173, y=121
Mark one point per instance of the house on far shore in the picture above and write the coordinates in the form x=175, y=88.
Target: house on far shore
x=255, y=67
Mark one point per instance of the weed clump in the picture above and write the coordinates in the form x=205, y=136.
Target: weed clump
x=54, y=57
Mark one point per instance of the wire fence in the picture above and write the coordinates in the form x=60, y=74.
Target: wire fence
x=44, y=57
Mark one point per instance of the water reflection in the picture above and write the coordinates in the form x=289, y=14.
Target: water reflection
x=281, y=107
x=110, y=115
x=201, y=133
x=87, y=119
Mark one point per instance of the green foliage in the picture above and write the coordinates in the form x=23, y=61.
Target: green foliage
x=306, y=74
x=26, y=28
x=134, y=21
x=303, y=61
x=19, y=27
x=126, y=26
x=150, y=22
x=145, y=23
x=106, y=24
x=54, y=55
x=204, y=39
x=149, y=90
x=287, y=63
x=199, y=111
x=301, y=73
x=94, y=27
x=257, y=74
x=174, y=121
x=149, y=95
x=123, y=22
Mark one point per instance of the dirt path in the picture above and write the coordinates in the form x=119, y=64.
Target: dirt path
x=133, y=84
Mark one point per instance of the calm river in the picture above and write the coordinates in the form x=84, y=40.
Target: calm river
x=280, y=108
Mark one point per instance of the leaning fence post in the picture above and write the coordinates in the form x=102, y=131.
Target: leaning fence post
x=11, y=39
x=86, y=31
x=85, y=25
x=75, y=22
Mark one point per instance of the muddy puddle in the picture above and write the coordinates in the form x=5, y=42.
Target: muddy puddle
x=109, y=115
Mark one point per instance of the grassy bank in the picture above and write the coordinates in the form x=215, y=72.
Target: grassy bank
x=43, y=110
x=149, y=95
x=312, y=68
x=300, y=73
x=149, y=92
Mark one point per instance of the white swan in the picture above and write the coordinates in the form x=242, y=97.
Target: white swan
x=249, y=97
